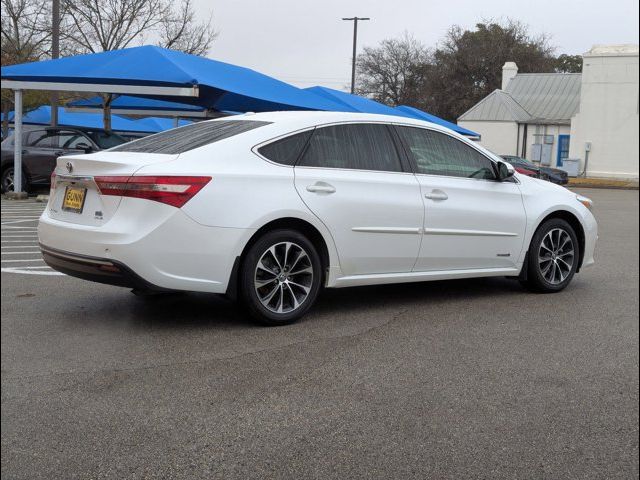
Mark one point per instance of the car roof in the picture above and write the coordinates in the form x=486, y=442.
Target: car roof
x=303, y=119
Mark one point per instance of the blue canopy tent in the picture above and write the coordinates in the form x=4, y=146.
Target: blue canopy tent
x=42, y=116
x=159, y=73
x=354, y=103
x=420, y=115
x=167, y=75
x=128, y=105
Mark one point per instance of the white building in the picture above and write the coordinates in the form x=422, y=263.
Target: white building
x=552, y=117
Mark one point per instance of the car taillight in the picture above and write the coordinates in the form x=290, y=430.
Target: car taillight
x=171, y=190
x=52, y=183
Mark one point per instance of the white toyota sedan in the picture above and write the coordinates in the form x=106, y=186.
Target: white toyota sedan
x=270, y=208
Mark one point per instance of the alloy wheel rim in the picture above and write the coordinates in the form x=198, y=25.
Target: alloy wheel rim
x=8, y=182
x=556, y=256
x=283, y=277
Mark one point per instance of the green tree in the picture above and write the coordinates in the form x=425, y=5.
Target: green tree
x=568, y=63
x=467, y=66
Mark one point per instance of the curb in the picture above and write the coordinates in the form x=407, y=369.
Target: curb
x=42, y=198
x=16, y=196
x=602, y=187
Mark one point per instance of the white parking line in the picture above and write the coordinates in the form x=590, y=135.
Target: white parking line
x=20, y=253
x=23, y=260
x=20, y=246
x=29, y=271
x=15, y=221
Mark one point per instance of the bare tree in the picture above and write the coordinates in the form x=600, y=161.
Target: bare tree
x=180, y=31
x=393, y=72
x=26, y=34
x=100, y=25
x=25, y=37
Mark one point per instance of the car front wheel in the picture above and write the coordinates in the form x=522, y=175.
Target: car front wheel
x=553, y=257
x=280, y=277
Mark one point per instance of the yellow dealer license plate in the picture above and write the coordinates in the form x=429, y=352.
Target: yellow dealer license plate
x=74, y=199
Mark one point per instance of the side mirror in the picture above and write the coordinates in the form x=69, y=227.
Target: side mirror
x=505, y=171
x=85, y=146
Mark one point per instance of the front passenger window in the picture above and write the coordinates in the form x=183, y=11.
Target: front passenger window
x=436, y=153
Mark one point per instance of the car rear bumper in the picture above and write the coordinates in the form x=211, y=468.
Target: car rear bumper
x=145, y=244
x=99, y=270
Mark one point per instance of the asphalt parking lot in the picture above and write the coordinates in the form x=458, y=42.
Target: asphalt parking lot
x=464, y=379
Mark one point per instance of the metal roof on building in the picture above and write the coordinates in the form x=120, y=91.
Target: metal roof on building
x=498, y=106
x=531, y=98
x=548, y=97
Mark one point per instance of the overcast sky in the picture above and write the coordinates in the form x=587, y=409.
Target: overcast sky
x=305, y=42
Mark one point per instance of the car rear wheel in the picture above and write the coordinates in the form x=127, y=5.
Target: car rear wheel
x=553, y=257
x=7, y=181
x=280, y=277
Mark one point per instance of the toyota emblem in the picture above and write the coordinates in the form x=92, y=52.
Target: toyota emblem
x=69, y=167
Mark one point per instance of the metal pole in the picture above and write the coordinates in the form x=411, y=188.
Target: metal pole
x=355, y=43
x=353, y=57
x=17, y=142
x=55, y=53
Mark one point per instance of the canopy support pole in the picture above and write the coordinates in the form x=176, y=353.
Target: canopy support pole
x=176, y=121
x=17, y=143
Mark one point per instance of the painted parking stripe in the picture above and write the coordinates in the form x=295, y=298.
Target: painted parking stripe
x=30, y=271
x=23, y=260
x=21, y=253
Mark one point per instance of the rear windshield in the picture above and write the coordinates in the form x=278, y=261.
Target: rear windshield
x=187, y=138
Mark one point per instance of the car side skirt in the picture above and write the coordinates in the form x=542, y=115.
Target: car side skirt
x=379, y=279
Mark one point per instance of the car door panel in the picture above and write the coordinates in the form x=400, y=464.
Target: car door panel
x=375, y=218
x=481, y=224
x=351, y=177
x=37, y=156
x=472, y=220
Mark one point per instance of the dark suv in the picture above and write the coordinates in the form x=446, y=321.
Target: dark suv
x=41, y=148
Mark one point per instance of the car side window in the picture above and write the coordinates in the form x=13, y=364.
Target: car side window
x=352, y=146
x=287, y=150
x=63, y=138
x=38, y=138
x=74, y=141
x=436, y=153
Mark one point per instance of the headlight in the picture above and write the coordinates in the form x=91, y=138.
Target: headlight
x=587, y=202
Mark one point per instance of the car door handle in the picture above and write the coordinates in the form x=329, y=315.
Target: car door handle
x=321, y=187
x=436, y=195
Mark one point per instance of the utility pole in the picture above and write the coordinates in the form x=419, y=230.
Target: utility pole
x=55, y=53
x=355, y=41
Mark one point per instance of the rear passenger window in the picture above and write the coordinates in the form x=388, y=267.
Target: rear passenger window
x=436, y=153
x=287, y=150
x=352, y=146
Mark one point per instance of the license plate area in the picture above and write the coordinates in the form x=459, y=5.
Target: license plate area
x=73, y=200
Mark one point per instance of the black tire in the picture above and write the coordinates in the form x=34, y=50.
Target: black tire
x=293, y=290
x=6, y=180
x=555, y=273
